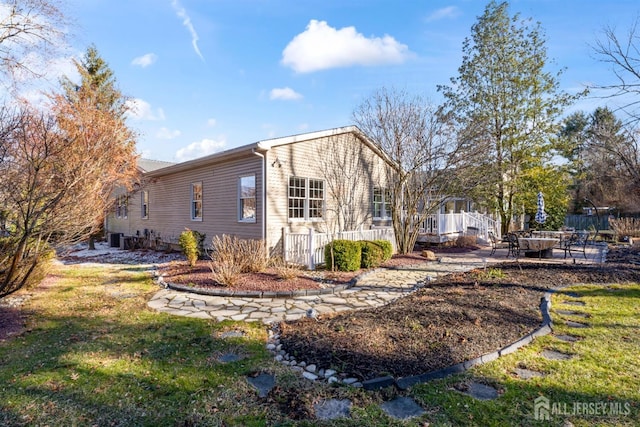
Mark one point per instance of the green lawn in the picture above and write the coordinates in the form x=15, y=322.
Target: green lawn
x=94, y=354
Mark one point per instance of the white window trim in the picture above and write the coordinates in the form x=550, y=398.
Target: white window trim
x=386, y=215
x=191, y=205
x=306, y=199
x=250, y=220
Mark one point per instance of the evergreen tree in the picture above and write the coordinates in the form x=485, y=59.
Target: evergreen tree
x=505, y=105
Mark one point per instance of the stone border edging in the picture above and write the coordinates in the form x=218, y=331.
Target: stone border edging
x=265, y=294
x=544, y=329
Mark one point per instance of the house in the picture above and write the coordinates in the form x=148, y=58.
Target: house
x=327, y=181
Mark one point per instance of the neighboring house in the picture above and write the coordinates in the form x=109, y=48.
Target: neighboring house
x=328, y=180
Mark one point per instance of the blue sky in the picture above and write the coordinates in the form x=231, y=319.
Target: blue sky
x=209, y=75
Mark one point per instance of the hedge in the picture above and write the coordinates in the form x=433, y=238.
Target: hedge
x=372, y=254
x=343, y=255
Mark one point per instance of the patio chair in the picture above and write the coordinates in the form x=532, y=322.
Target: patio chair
x=577, y=243
x=514, y=245
x=497, y=243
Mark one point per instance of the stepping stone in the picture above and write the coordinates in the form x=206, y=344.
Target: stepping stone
x=332, y=409
x=571, y=313
x=481, y=391
x=232, y=334
x=572, y=294
x=263, y=383
x=402, y=408
x=229, y=357
x=567, y=338
x=527, y=374
x=555, y=355
x=580, y=303
x=572, y=324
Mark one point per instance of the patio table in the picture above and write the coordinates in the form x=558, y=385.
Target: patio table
x=542, y=247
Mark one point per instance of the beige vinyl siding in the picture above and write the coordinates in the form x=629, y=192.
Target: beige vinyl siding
x=170, y=202
x=303, y=159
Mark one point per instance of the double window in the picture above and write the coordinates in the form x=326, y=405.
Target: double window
x=122, y=202
x=196, y=201
x=381, y=203
x=306, y=198
x=247, y=199
x=144, y=204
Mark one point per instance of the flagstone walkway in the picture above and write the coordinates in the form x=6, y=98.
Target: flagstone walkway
x=374, y=289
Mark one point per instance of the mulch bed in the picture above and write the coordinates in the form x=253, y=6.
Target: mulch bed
x=453, y=319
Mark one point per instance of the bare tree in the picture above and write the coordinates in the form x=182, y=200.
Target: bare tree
x=424, y=153
x=59, y=169
x=344, y=168
x=31, y=32
x=623, y=54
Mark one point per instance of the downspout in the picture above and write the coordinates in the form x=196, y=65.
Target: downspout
x=263, y=197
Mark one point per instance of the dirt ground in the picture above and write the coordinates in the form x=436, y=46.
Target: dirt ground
x=454, y=318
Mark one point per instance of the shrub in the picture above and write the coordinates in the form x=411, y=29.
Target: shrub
x=232, y=256
x=189, y=245
x=343, y=255
x=625, y=226
x=466, y=241
x=372, y=254
x=283, y=269
x=255, y=255
x=387, y=249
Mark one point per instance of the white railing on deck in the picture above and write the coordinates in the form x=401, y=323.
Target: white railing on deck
x=459, y=224
x=308, y=248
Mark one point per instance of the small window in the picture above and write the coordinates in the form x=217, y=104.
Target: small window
x=247, y=198
x=381, y=203
x=144, y=203
x=316, y=199
x=196, y=201
x=297, y=197
x=122, y=206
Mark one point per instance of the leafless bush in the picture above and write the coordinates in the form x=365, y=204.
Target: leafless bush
x=466, y=241
x=283, y=269
x=255, y=255
x=231, y=257
x=626, y=226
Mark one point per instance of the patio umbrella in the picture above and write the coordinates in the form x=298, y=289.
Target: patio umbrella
x=541, y=215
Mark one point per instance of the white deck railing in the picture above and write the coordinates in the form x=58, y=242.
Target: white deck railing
x=308, y=248
x=455, y=224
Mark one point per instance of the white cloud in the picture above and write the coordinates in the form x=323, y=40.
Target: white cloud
x=186, y=21
x=322, y=47
x=145, y=60
x=165, y=133
x=212, y=122
x=285, y=94
x=200, y=149
x=445, y=12
x=140, y=109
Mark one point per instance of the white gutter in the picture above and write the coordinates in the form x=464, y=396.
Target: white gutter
x=263, y=197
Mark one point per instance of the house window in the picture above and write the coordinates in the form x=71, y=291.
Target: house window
x=247, y=198
x=306, y=198
x=196, y=201
x=121, y=206
x=144, y=203
x=316, y=199
x=381, y=203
